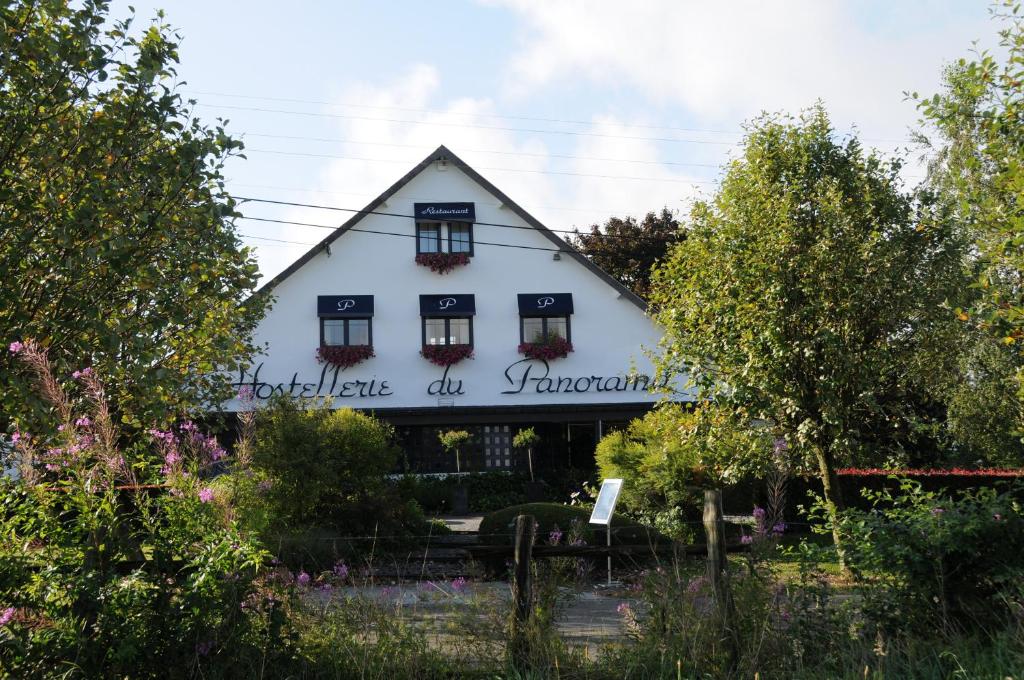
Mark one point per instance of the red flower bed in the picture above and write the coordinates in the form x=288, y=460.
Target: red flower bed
x=343, y=355
x=954, y=472
x=446, y=355
x=442, y=263
x=548, y=350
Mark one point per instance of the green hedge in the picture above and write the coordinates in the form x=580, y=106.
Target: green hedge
x=487, y=491
x=497, y=527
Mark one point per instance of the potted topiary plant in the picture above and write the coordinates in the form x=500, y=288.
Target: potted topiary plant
x=526, y=439
x=453, y=440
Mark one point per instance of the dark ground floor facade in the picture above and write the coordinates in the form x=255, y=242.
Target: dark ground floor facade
x=568, y=435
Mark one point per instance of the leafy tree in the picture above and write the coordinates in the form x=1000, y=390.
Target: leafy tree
x=673, y=451
x=804, y=293
x=118, y=248
x=977, y=163
x=628, y=249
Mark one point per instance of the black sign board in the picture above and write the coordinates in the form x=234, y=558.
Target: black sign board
x=545, y=304
x=452, y=212
x=344, y=305
x=447, y=305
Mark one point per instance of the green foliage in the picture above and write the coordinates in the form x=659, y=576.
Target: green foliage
x=487, y=491
x=667, y=456
x=497, y=526
x=118, y=247
x=326, y=467
x=804, y=292
x=978, y=167
x=927, y=558
x=117, y=561
x=628, y=249
x=526, y=438
x=983, y=412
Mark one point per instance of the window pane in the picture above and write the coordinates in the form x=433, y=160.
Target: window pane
x=557, y=326
x=459, y=237
x=429, y=236
x=334, y=331
x=533, y=329
x=459, y=332
x=359, y=331
x=435, y=331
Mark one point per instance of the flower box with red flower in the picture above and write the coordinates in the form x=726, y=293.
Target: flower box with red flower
x=344, y=356
x=442, y=263
x=446, y=355
x=549, y=348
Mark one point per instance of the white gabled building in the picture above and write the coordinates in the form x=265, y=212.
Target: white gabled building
x=368, y=283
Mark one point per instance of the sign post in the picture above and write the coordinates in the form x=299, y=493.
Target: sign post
x=604, y=508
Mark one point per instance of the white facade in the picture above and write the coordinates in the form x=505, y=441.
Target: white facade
x=610, y=331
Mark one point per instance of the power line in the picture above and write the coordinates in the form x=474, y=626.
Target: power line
x=370, y=195
x=278, y=240
x=567, y=121
x=521, y=170
x=392, y=233
x=503, y=153
x=478, y=126
x=412, y=217
x=538, y=119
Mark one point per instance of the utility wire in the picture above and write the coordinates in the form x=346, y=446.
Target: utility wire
x=392, y=233
x=538, y=119
x=370, y=195
x=437, y=123
x=521, y=170
x=503, y=153
x=412, y=217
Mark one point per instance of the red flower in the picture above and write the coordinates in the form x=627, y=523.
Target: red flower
x=442, y=263
x=344, y=356
x=954, y=472
x=446, y=355
x=554, y=347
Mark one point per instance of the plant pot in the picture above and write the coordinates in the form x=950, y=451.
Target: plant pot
x=460, y=499
x=535, y=492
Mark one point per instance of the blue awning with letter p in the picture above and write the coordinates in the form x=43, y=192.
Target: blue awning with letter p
x=344, y=305
x=545, y=304
x=448, y=305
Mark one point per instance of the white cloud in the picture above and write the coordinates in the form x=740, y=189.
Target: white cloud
x=728, y=61
x=561, y=192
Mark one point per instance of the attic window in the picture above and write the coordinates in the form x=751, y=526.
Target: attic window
x=444, y=227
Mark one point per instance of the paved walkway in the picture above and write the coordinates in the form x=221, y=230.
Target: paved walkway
x=462, y=523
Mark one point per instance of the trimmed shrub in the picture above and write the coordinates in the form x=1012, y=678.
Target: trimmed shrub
x=926, y=558
x=497, y=526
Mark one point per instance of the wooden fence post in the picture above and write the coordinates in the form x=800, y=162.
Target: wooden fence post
x=522, y=584
x=717, y=568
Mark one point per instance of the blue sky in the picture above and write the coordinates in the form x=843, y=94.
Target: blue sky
x=657, y=92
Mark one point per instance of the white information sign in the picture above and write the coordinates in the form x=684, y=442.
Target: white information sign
x=606, y=499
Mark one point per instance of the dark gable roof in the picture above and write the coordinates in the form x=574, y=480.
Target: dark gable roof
x=443, y=154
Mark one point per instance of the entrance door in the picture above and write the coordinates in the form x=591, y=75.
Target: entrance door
x=582, y=442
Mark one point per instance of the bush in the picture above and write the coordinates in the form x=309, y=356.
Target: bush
x=497, y=526
x=116, y=557
x=925, y=558
x=488, y=491
x=326, y=468
x=667, y=456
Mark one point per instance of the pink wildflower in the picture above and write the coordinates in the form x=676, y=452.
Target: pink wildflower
x=15, y=347
x=83, y=422
x=746, y=540
x=206, y=495
x=459, y=585
x=302, y=579
x=341, y=570
x=6, y=615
